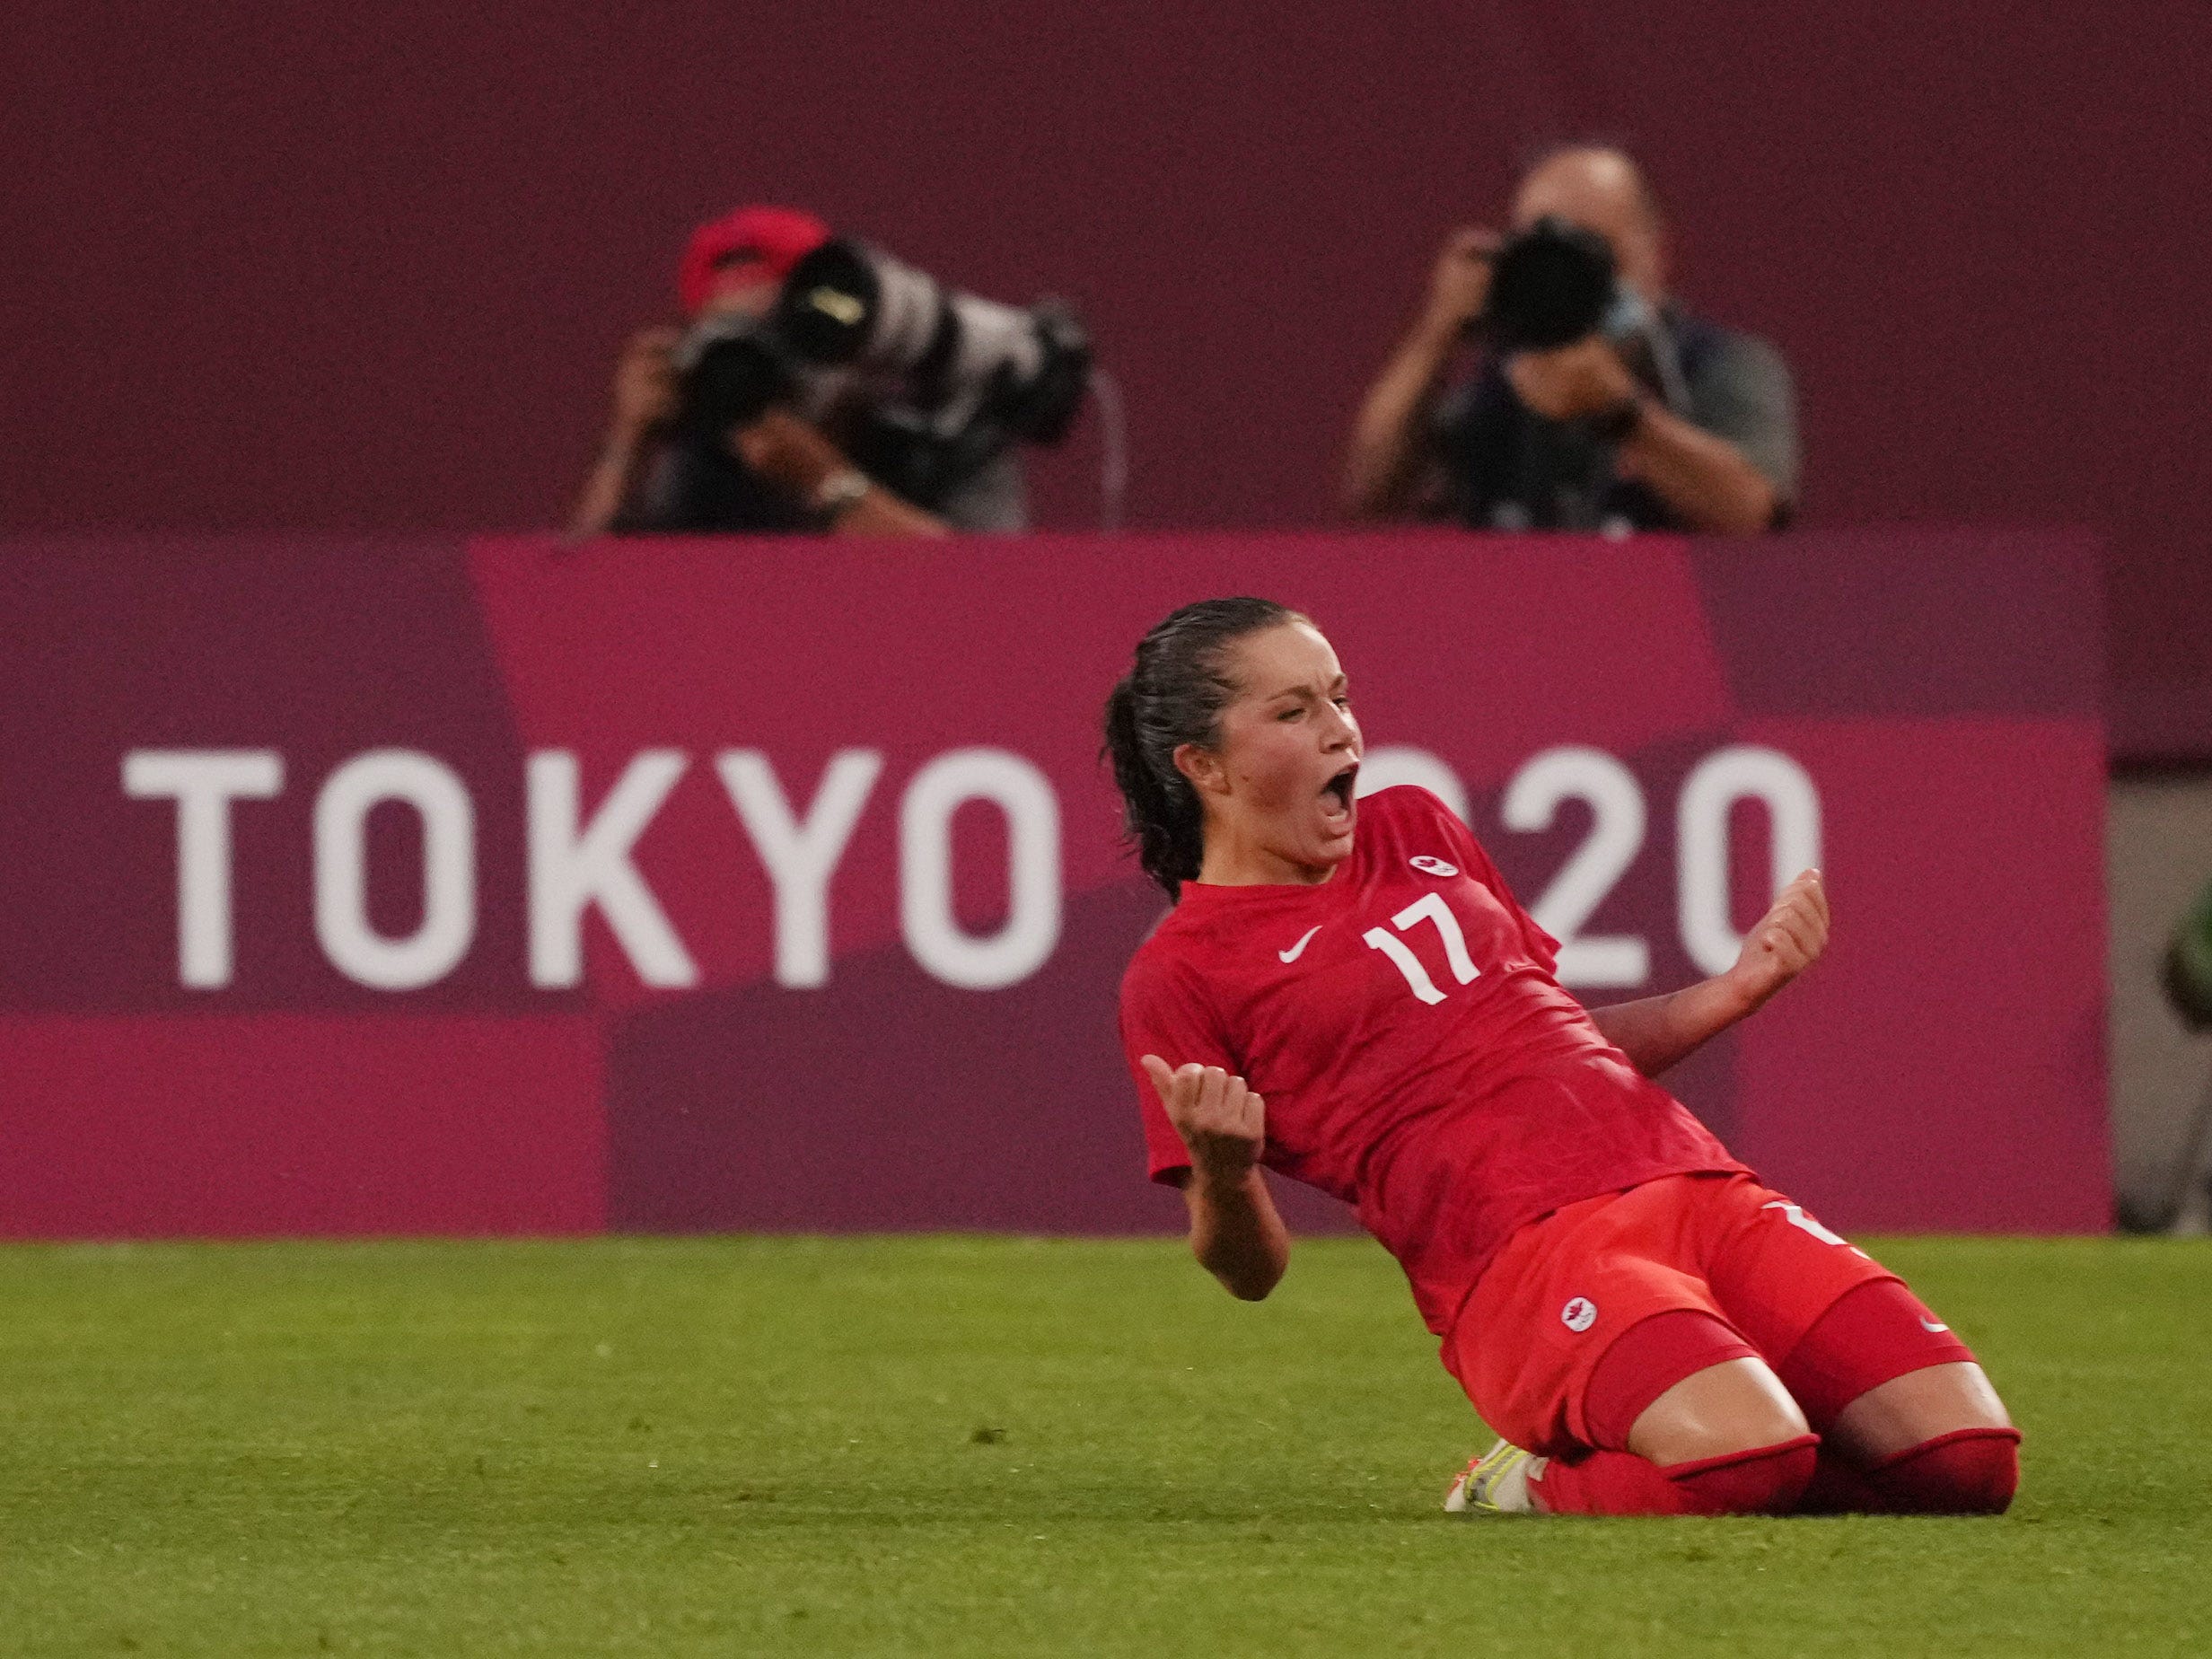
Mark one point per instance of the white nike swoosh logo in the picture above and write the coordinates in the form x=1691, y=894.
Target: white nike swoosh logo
x=1291, y=955
x=1934, y=1324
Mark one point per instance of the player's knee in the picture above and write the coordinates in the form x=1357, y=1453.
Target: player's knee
x=1767, y=1480
x=1970, y=1472
x=1726, y=1411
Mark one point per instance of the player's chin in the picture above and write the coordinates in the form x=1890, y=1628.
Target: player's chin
x=1332, y=838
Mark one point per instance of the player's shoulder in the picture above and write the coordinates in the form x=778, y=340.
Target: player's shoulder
x=1403, y=807
x=1406, y=819
x=1171, y=978
x=1171, y=956
x=1399, y=799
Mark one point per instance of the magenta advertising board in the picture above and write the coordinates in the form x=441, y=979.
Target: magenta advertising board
x=679, y=886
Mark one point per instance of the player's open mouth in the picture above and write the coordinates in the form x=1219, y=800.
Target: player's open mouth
x=1336, y=797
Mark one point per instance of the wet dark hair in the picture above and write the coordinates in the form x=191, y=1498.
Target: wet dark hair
x=1174, y=695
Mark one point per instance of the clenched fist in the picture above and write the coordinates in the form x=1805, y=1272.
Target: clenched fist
x=1221, y=1120
x=1788, y=940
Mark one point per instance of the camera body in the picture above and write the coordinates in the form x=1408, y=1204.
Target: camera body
x=1553, y=283
x=942, y=381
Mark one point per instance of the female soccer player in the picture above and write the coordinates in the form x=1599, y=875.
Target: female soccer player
x=1650, y=1330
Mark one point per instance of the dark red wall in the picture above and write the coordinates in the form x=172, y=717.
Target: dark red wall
x=282, y=266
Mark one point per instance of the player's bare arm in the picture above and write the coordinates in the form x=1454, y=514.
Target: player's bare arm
x=1235, y=1232
x=1657, y=1031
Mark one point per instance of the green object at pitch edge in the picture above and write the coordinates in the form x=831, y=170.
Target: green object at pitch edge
x=2189, y=964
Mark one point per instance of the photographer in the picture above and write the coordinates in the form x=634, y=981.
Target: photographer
x=1627, y=415
x=722, y=427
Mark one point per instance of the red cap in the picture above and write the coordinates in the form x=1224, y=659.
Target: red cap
x=775, y=238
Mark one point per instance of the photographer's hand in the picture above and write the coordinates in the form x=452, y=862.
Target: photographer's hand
x=646, y=396
x=646, y=390
x=1459, y=287
x=1708, y=482
x=797, y=459
x=1382, y=469
x=1574, y=382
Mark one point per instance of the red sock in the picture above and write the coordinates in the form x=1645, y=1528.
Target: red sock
x=1839, y=1488
x=1767, y=1480
x=1970, y=1472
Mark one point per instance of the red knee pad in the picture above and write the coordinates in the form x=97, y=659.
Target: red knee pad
x=1766, y=1481
x=1970, y=1472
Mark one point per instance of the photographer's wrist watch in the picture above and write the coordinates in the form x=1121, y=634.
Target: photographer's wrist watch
x=840, y=491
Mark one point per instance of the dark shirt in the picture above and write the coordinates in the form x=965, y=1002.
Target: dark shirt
x=1508, y=467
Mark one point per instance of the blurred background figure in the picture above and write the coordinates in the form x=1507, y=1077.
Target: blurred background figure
x=1596, y=402
x=820, y=385
x=2161, y=1094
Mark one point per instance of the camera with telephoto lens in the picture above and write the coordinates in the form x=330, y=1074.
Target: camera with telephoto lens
x=1554, y=283
x=944, y=382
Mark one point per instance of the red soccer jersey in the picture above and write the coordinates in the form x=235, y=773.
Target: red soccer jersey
x=1417, y=1057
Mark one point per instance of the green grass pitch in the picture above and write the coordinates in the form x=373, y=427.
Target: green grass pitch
x=986, y=1446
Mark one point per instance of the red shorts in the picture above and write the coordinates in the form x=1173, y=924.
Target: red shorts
x=1568, y=1286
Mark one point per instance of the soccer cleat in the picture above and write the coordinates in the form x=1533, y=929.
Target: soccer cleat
x=1496, y=1483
